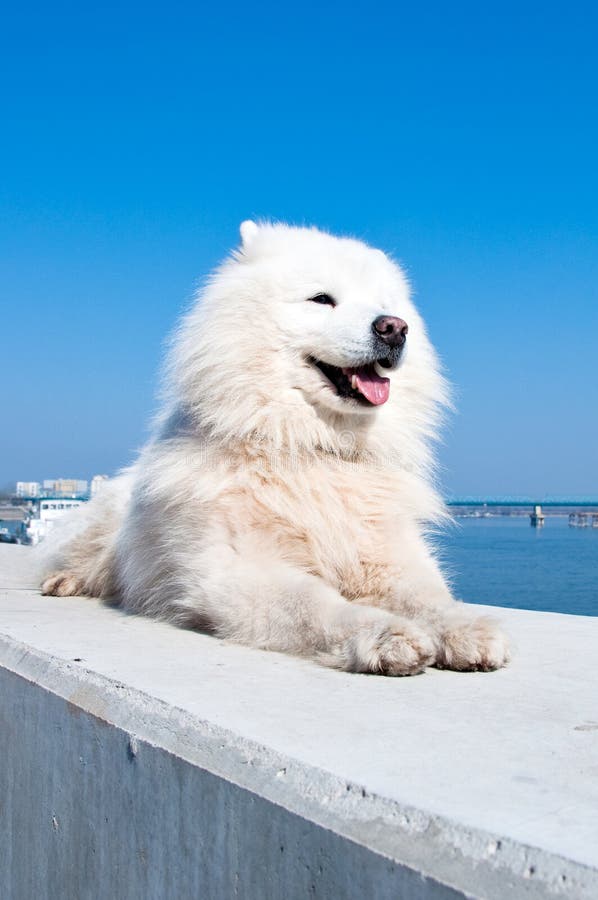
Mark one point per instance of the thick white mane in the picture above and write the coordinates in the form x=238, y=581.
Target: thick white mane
x=235, y=366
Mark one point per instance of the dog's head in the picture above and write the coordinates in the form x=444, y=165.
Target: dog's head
x=302, y=334
x=338, y=311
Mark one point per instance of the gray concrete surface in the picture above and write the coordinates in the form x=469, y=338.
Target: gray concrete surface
x=142, y=761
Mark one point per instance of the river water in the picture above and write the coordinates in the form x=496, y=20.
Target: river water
x=503, y=561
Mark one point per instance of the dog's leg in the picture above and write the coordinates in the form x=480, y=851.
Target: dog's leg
x=276, y=607
x=464, y=640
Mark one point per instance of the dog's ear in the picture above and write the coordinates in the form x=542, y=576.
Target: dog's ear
x=248, y=231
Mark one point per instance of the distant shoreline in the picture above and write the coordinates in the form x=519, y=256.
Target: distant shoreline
x=473, y=509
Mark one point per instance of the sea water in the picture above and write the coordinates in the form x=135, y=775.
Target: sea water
x=503, y=561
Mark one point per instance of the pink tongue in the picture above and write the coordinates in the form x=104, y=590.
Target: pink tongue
x=371, y=385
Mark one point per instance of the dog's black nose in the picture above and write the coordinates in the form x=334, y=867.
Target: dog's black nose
x=391, y=330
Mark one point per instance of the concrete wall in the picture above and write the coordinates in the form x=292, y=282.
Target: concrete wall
x=96, y=813
x=141, y=761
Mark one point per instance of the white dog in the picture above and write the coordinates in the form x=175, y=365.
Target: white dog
x=283, y=500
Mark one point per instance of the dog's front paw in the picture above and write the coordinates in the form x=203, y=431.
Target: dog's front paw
x=474, y=645
x=397, y=648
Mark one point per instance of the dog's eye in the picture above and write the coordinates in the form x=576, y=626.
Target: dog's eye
x=325, y=299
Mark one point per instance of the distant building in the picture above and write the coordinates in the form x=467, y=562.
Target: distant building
x=97, y=483
x=28, y=489
x=65, y=487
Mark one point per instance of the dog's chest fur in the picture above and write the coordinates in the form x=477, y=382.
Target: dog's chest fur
x=335, y=519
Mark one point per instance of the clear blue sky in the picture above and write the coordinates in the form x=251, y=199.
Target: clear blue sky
x=461, y=137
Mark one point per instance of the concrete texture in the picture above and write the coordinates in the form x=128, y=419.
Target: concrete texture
x=143, y=761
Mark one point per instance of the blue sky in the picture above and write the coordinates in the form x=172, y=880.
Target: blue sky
x=462, y=138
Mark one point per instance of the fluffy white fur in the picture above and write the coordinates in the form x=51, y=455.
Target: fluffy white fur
x=269, y=509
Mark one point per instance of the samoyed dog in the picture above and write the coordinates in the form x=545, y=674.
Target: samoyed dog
x=284, y=499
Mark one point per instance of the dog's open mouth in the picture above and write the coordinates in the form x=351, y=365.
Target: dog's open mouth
x=362, y=383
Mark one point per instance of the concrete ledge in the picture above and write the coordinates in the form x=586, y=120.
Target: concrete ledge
x=142, y=761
